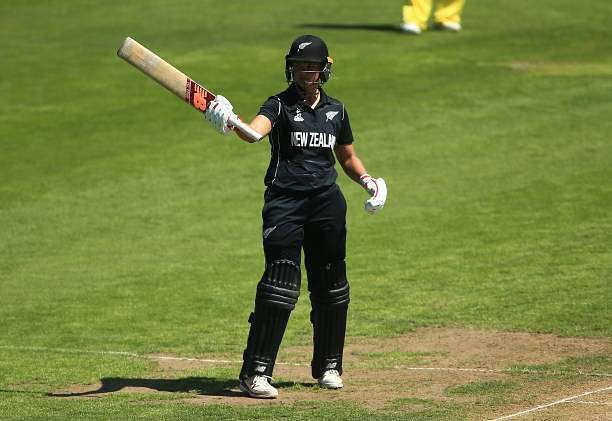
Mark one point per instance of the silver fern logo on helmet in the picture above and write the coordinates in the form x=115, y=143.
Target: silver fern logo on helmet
x=303, y=45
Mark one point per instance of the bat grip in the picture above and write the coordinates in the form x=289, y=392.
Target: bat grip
x=245, y=128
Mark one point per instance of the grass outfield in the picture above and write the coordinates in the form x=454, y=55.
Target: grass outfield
x=128, y=224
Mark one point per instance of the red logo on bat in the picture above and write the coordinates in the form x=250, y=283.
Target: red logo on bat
x=199, y=101
x=197, y=96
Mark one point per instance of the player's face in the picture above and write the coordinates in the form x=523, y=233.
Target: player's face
x=306, y=75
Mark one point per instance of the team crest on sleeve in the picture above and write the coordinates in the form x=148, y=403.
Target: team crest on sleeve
x=330, y=115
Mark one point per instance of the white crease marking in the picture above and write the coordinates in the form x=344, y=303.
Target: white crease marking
x=215, y=361
x=548, y=405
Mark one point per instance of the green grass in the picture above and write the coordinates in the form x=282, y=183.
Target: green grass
x=146, y=407
x=126, y=223
x=595, y=365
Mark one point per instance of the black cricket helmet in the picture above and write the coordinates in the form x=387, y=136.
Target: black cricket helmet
x=309, y=49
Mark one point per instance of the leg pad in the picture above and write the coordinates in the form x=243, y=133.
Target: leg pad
x=280, y=285
x=330, y=298
x=277, y=294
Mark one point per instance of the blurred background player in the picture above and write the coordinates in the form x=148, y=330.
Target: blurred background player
x=303, y=208
x=447, y=15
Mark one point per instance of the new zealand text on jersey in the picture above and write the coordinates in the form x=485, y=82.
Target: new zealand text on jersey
x=312, y=139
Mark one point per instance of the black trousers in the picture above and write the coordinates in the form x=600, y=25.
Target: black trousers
x=316, y=223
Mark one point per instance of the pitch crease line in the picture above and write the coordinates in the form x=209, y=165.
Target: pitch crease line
x=70, y=351
x=548, y=405
x=203, y=360
x=132, y=354
x=214, y=361
x=502, y=371
x=590, y=403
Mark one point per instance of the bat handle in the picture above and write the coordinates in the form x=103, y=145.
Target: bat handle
x=245, y=128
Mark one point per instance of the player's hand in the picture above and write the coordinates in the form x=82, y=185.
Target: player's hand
x=377, y=188
x=218, y=113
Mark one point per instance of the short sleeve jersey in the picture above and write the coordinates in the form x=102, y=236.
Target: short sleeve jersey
x=302, y=140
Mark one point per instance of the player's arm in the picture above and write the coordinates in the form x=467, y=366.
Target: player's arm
x=345, y=153
x=350, y=162
x=220, y=112
x=261, y=124
x=353, y=167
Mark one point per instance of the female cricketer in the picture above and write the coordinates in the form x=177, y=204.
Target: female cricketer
x=303, y=209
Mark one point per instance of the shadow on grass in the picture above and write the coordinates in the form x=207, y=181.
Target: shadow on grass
x=353, y=26
x=208, y=386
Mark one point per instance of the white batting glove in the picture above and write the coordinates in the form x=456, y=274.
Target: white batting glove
x=219, y=112
x=377, y=188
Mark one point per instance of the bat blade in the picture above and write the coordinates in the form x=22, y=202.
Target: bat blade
x=174, y=80
x=165, y=74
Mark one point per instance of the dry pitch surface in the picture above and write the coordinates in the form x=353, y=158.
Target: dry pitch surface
x=481, y=372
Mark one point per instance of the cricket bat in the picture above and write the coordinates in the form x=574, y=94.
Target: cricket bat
x=175, y=81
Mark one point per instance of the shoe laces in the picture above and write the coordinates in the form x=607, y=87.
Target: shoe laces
x=261, y=381
x=332, y=373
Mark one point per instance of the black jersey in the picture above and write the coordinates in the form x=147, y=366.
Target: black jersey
x=303, y=140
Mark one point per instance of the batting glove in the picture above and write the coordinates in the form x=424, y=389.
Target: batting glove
x=377, y=188
x=219, y=112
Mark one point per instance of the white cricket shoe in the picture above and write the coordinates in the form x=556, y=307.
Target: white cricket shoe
x=258, y=386
x=410, y=28
x=449, y=26
x=331, y=380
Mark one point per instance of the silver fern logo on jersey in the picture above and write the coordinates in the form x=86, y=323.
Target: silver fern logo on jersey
x=330, y=115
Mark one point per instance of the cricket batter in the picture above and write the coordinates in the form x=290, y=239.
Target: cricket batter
x=303, y=209
x=447, y=15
